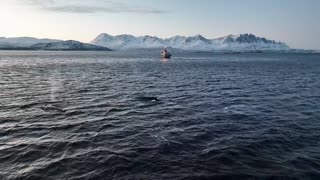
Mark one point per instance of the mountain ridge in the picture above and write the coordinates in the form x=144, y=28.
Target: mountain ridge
x=230, y=43
x=68, y=45
x=197, y=42
x=25, y=41
x=31, y=43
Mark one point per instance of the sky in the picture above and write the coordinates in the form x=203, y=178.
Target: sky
x=295, y=22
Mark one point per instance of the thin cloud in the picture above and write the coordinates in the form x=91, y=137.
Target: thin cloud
x=86, y=6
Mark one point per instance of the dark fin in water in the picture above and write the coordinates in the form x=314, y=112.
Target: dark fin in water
x=148, y=98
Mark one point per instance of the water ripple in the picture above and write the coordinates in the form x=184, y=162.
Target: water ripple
x=98, y=115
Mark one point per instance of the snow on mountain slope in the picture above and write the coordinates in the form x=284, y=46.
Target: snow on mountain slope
x=242, y=42
x=24, y=41
x=128, y=41
x=68, y=45
x=175, y=40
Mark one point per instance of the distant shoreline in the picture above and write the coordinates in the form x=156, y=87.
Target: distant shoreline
x=30, y=49
x=177, y=51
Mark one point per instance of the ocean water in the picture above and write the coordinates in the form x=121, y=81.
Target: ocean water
x=117, y=115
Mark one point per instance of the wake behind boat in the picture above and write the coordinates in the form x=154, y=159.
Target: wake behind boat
x=165, y=54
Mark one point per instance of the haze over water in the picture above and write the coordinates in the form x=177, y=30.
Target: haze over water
x=91, y=115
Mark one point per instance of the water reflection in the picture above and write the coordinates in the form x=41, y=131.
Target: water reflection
x=164, y=60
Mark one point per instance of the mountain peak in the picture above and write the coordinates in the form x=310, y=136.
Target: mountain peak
x=199, y=36
x=125, y=35
x=105, y=34
x=102, y=35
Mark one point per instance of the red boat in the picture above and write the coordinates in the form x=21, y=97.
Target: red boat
x=165, y=54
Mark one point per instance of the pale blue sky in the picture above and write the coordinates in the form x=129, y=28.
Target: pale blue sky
x=295, y=22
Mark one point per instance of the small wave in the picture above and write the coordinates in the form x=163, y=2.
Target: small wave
x=52, y=108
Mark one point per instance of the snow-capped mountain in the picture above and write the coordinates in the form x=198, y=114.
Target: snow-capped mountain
x=67, y=46
x=30, y=43
x=23, y=41
x=242, y=42
x=128, y=41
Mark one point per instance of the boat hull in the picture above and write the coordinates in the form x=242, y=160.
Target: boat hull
x=166, y=55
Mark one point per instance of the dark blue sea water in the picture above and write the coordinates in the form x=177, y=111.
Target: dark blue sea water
x=94, y=115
